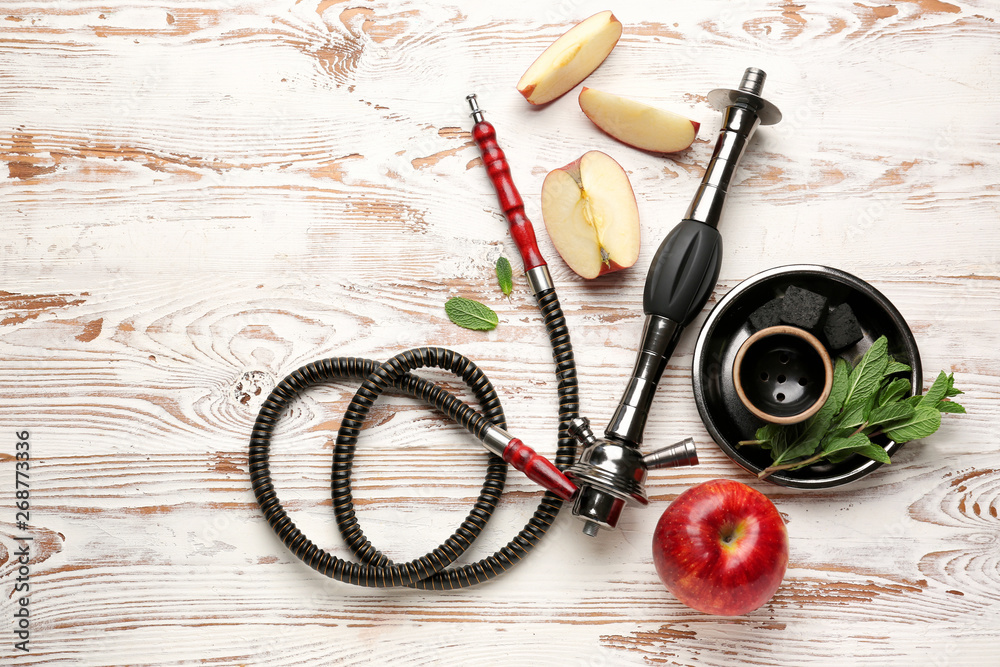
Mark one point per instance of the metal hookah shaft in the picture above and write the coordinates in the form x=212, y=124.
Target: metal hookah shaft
x=537, y=468
x=686, y=266
x=611, y=472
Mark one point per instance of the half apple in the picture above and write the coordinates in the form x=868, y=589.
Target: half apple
x=636, y=124
x=591, y=215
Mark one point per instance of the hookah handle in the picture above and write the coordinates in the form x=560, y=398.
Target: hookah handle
x=510, y=200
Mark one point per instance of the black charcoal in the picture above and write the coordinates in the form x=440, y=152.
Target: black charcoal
x=767, y=315
x=802, y=308
x=842, y=328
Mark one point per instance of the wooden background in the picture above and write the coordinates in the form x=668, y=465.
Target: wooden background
x=199, y=197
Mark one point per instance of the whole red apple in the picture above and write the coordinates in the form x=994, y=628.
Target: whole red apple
x=721, y=548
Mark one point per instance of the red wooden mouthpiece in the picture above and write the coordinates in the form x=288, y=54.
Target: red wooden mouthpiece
x=539, y=469
x=510, y=201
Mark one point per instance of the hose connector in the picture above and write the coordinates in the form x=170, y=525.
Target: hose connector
x=611, y=475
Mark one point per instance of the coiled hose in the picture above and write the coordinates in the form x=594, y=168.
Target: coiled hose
x=430, y=571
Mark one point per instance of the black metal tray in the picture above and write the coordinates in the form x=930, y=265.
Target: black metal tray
x=726, y=418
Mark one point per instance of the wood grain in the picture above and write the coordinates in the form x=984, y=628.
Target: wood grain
x=201, y=197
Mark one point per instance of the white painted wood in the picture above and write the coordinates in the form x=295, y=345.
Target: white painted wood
x=201, y=197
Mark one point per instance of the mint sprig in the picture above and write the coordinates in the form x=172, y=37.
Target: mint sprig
x=471, y=314
x=865, y=402
x=505, y=276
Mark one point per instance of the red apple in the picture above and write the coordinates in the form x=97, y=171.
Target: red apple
x=590, y=213
x=721, y=548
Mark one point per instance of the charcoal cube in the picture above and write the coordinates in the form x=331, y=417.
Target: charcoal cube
x=767, y=315
x=842, y=328
x=802, y=308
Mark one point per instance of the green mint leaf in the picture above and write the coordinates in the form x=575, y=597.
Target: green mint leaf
x=937, y=391
x=838, y=391
x=853, y=441
x=894, y=367
x=470, y=314
x=894, y=391
x=839, y=456
x=770, y=435
x=871, y=451
x=951, y=387
x=950, y=406
x=856, y=413
x=781, y=440
x=505, y=276
x=925, y=420
x=805, y=448
x=867, y=375
x=893, y=412
x=816, y=426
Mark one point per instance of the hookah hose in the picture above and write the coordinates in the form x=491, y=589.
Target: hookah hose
x=430, y=571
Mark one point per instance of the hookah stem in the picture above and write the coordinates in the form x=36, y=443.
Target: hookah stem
x=686, y=266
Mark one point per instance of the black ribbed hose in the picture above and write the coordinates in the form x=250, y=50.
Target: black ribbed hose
x=430, y=571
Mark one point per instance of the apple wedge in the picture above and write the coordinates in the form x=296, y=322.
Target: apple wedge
x=636, y=124
x=571, y=58
x=591, y=216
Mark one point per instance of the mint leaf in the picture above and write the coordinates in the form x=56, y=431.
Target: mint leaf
x=894, y=367
x=925, y=420
x=856, y=413
x=838, y=391
x=817, y=425
x=894, y=391
x=867, y=375
x=851, y=442
x=770, y=435
x=470, y=314
x=804, y=448
x=890, y=413
x=781, y=438
x=937, y=391
x=950, y=406
x=871, y=451
x=505, y=276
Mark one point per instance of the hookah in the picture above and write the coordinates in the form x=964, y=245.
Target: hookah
x=610, y=473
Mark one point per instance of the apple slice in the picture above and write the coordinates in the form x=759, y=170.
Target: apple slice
x=636, y=124
x=591, y=216
x=571, y=58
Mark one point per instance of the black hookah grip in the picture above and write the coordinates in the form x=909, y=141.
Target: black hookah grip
x=684, y=272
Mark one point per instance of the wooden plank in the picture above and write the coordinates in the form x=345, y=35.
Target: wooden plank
x=201, y=197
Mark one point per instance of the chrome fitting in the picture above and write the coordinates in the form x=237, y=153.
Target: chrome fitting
x=611, y=475
x=539, y=279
